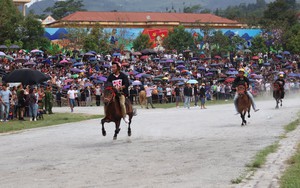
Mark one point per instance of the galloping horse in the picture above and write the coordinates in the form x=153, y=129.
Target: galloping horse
x=113, y=111
x=244, y=103
x=142, y=98
x=277, y=94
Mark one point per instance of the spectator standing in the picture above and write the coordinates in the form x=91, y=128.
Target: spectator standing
x=149, y=90
x=58, y=97
x=5, y=93
x=188, y=93
x=32, y=103
x=71, y=97
x=177, y=95
x=98, y=95
x=48, y=100
x=202, y=94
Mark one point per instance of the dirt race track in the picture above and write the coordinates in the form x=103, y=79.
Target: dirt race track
x=168, y=148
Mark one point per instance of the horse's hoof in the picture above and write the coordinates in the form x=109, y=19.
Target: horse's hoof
x=115, y=138
x=129, y=133
x=104, y=133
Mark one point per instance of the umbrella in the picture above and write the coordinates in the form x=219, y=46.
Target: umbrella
x=20, y=60
x=3, y=47
x=14, y=46
x=144, y=57
x=66, y=86
x=229, y=80
x=26, y=77
x=247, y=51
x=78, y=64
x=136, y=83
x=29, y=63
x=88, y=84
x=89, y=54
x=218, y=57
x=148, y=52
x=255, y=58
x=102, y=78
x=192, y=82
x=180, y=67
x=36, y=51
x=64, y=61
x=286, y=53
x=68, y=80
x=76, y=70
x=136, y=53
x=2, y=54
x=116, y=54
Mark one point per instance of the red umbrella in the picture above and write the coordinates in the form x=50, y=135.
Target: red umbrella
x=255, y=58
x=218, y=57
x=144, y=57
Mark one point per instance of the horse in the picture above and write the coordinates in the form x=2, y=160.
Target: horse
x=243, y=103
x=113, y=111
x=277, y=94
x=142, y=98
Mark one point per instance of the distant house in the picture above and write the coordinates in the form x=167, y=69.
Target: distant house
x=48, y=20
x=21, y=3
x=144, y=20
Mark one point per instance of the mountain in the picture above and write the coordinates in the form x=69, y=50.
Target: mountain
x=141, y=5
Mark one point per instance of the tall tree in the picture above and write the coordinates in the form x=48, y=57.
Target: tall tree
x=63, y=8
x=32, y=33
x=179, y=40
x=141, y=42
x=192, y=9
x=10, y=19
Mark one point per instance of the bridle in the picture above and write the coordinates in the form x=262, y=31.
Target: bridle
x=111, y=97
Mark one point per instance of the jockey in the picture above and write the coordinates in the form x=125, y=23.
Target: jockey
x=241, y=78
x=121, y=82
x=281, y=84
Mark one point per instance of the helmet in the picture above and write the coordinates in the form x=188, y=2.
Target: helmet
x=241, y=70
x=281, y=75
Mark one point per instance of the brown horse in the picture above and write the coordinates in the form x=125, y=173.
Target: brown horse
x=277, y=94
x=113, y=111
x=142, y=98
x=243, y=103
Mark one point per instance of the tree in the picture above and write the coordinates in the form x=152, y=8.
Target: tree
x=10, y=19
x=192, y=9
x=63, y=8
x=32, y=33
x=258, y=45
x=142, y=42
x=179, y=40
x=220, y=43
x=292, y=36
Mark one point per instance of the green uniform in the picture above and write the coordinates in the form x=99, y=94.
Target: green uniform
x=48, y=101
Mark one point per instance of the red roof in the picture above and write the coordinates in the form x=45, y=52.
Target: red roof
x=146, y=17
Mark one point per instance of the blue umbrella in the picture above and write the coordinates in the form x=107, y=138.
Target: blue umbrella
x=116, y=54
x=286, y=53
x=78, y=64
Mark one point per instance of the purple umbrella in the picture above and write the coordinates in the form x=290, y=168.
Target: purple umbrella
x=29, y=63
x=180, y=67
x=139, y=75
x=66, y=86
x=102, y=78
x=87, y=84
x=76, y=70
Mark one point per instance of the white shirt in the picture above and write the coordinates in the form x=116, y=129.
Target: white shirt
x=71, y=94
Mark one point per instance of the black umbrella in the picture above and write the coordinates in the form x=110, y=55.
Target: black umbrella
x=26, y=77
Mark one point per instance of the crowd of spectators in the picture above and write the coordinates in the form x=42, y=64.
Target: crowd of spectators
x=87, y=72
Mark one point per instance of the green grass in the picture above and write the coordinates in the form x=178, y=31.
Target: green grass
x=292, y=126
x=290, y=178
x=261, y=156
x=53, y=119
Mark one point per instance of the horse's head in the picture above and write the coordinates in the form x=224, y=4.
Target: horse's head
x=108, y=94
x=241, y=89
x=276, y=86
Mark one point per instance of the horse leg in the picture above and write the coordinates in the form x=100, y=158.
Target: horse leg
x=281, y=102
x=243, y=117
x=129, y=129
x=249, y=112
x=103, y=129
x=117, y=129
x=277, y=101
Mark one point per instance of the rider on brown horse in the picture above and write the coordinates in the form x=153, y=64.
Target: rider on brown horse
x=120, y=82
x=281, y=83
x=242, y=79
